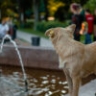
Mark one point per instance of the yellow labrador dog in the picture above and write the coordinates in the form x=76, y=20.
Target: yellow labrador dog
x=76, y=59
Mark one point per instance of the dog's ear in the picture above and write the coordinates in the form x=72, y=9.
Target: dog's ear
x=49, y=32
x=71, y=28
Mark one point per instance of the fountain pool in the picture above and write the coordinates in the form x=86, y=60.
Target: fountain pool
x=37, y=84
x=40, y=82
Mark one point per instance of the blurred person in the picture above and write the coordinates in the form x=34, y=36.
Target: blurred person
x=14, y=31
x=10, y=24
x=90, y=20
x=76, y=19
x=12, y=28
x=94, y=36
x=4, y=28
x=84, y=28
x=82, y=12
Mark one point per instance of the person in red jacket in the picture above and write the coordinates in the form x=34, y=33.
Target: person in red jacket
x=90, y=20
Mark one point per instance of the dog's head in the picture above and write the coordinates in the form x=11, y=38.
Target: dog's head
x=59, y=32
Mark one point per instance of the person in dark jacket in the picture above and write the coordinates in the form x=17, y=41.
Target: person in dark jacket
x=12, y=29
x=76, y=19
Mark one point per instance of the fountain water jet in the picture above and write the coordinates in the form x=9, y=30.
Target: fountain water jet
x=19, y=55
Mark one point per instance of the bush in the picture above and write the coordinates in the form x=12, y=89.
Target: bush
x=29, y=23
x=44, y=25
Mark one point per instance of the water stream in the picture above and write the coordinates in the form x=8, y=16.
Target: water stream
x=19, y=55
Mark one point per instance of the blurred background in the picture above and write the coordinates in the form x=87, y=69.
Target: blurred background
x=40, y=14
x=29, y=19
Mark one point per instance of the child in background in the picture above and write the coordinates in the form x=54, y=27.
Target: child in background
x=84, y=28
x=4, y=28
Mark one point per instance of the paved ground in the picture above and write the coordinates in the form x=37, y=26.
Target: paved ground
x=88, y=89
x=27, y=37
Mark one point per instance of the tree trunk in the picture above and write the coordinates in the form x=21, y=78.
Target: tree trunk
x=22, y=17
x=0, y=14
x=36, y=13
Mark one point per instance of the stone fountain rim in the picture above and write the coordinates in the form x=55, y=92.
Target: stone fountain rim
x=30, y=47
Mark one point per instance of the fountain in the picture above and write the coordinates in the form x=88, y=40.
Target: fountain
x=20, y=59
x=40, y=82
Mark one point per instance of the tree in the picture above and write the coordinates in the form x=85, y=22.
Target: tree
x=53, y=5
x=24, y=6
x=36, y=13
x=0, y=9
x=4, y=4
x=91, y=4
x=7, y=7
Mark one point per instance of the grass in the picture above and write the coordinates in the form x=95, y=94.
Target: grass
x=31, y=31
x=82, y=38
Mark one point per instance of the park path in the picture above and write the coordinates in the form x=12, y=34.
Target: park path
x=27, y=37
x=88, y=89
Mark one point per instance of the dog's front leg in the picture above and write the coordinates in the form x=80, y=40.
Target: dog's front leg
x=61, y=63
x=69, y=80
x=76, y=84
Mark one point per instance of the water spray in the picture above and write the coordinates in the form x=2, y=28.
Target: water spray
x=20, y=59
x=0, y=72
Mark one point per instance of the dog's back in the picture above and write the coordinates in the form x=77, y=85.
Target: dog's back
x=90, y=58
x=91, y=49
x=92, y=46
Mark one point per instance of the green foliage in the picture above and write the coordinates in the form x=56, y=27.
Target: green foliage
x=43, y=26
x=7, y=8
x=53, y=5
x=32, y=31
x=91, y=4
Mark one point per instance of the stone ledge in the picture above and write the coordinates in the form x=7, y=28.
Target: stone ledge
x=36, y=57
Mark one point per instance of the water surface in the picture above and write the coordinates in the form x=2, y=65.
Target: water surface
x=40, y=82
